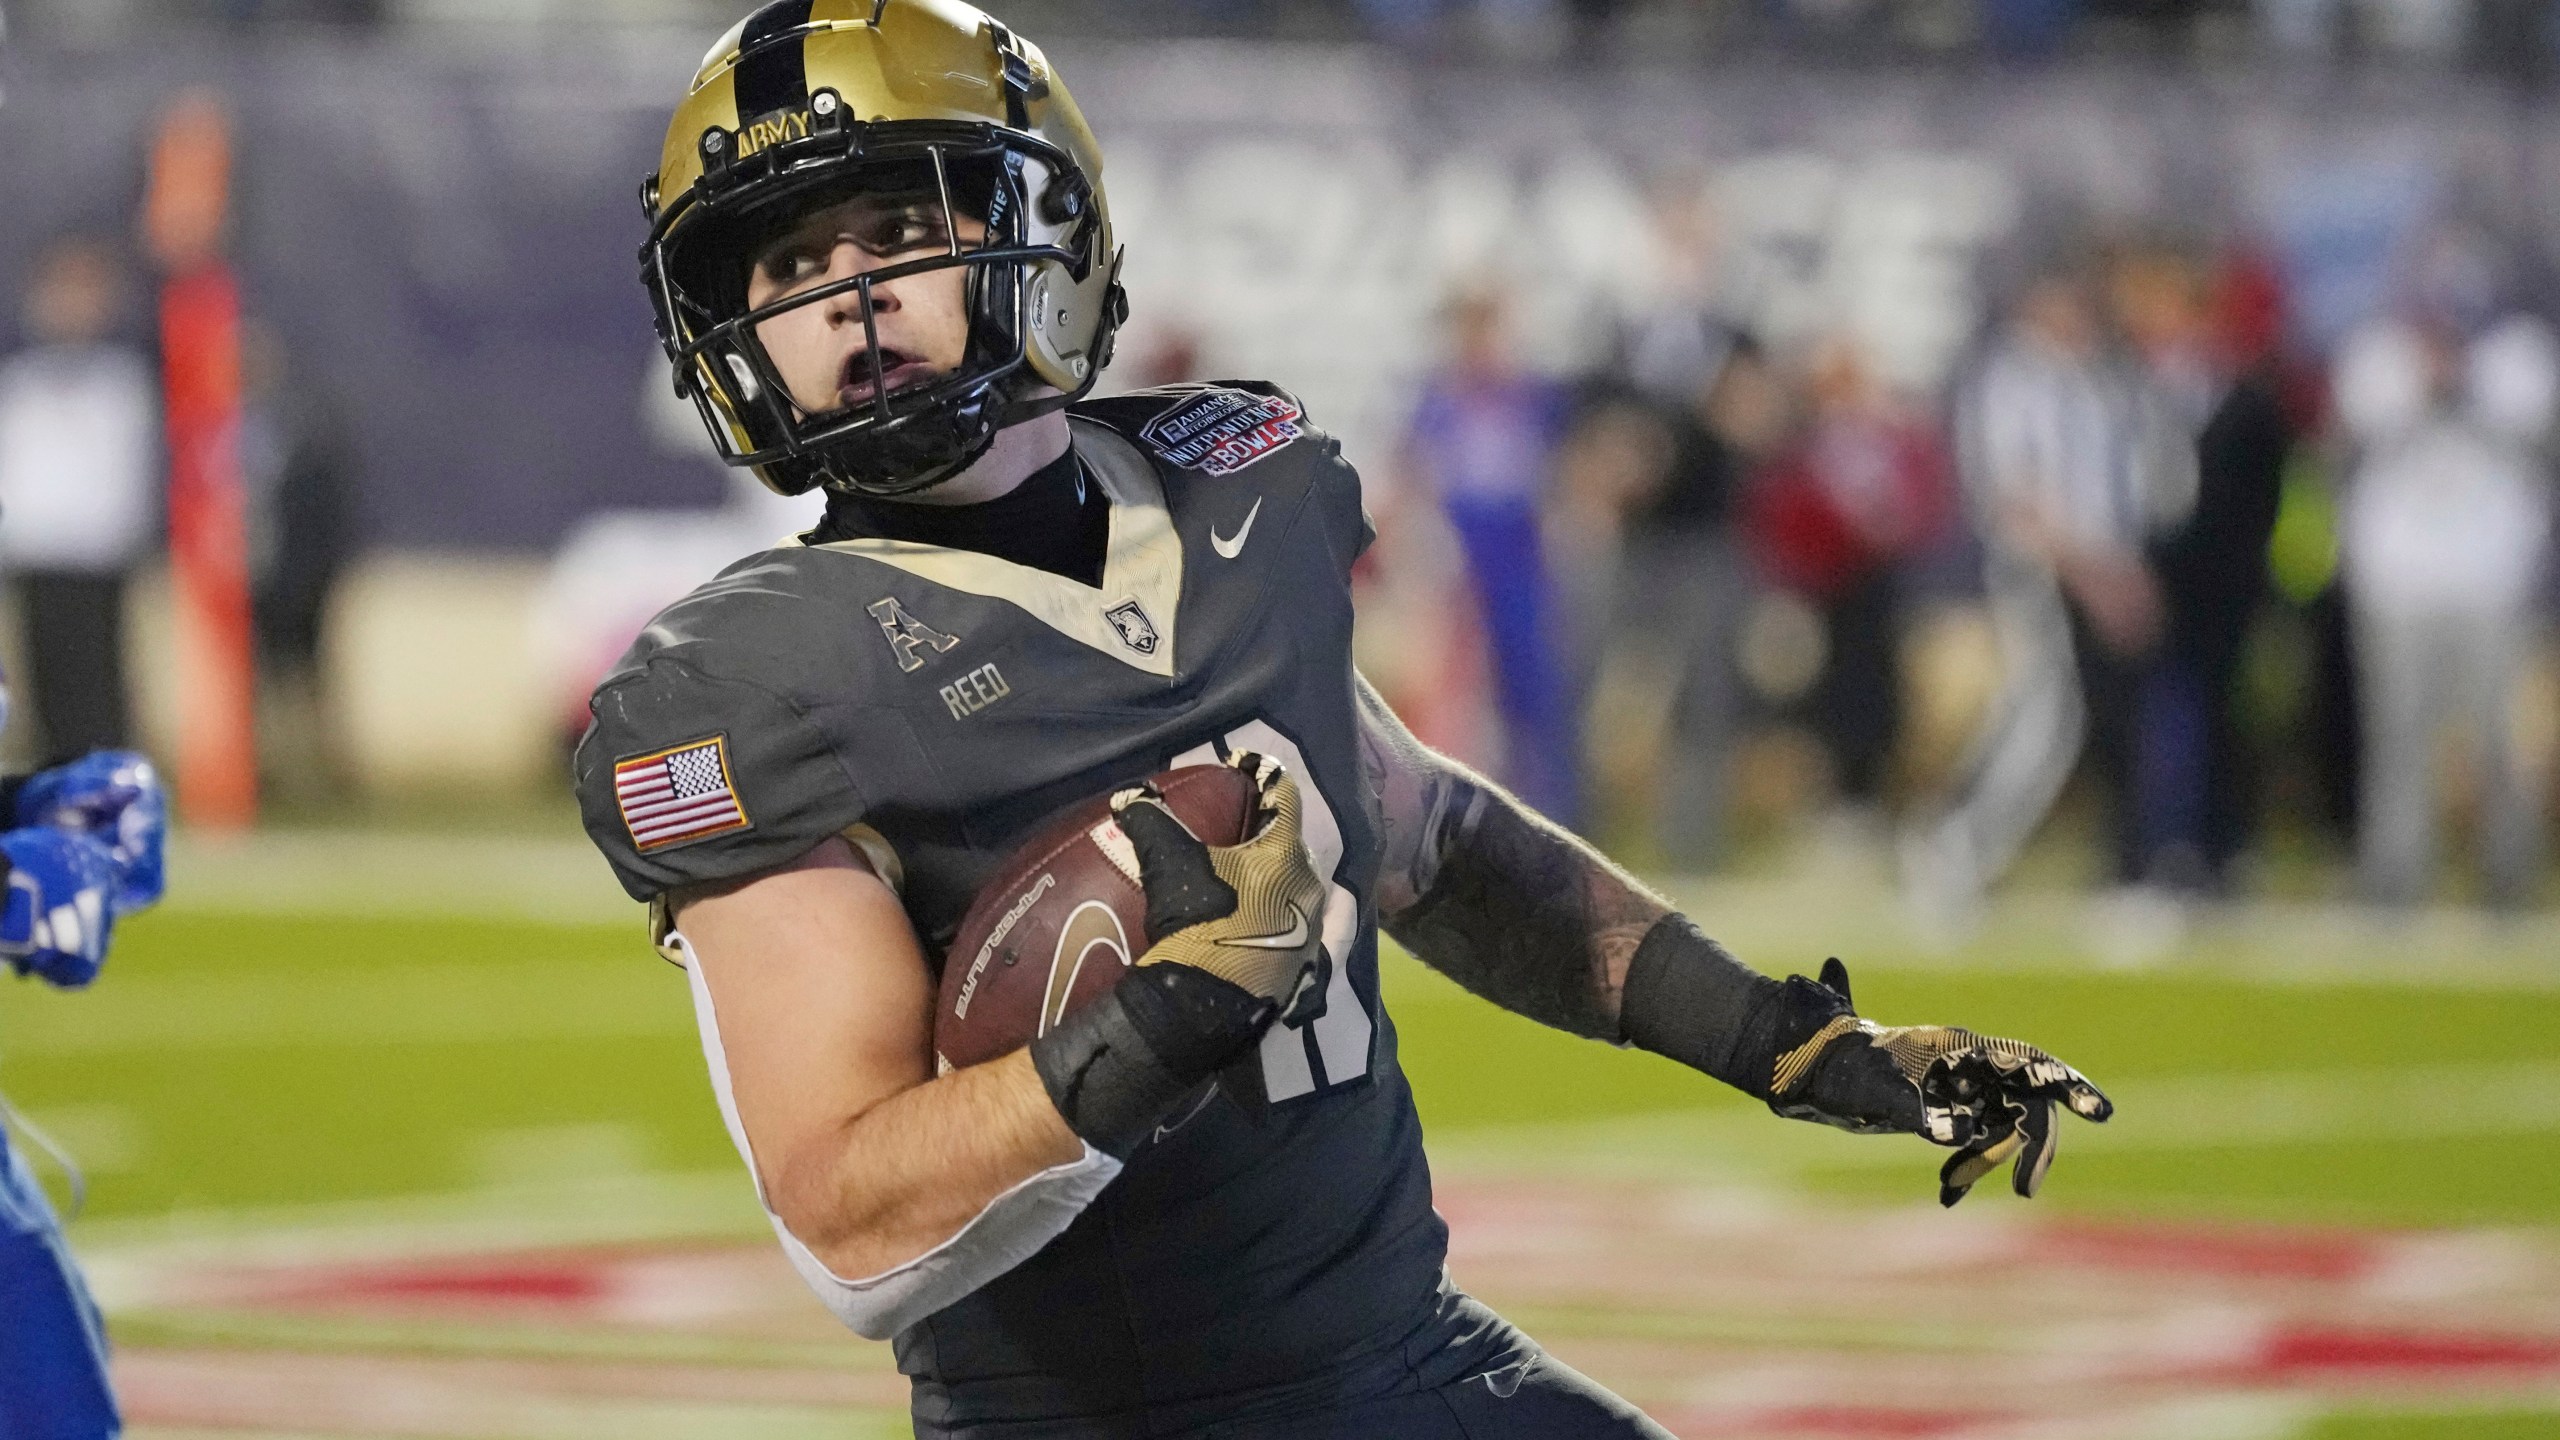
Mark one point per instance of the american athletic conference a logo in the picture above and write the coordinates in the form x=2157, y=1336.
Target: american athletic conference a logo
x=908, y=636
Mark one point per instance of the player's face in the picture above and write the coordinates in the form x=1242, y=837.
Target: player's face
x=820, y=348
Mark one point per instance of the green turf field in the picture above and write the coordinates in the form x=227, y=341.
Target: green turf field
x=231, y=1061
x=236, y=1065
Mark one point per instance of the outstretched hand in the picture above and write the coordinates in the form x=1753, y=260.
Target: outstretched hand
x=1991, y=1099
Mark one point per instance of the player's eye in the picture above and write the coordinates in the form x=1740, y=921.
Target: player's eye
x=795, y=263
x=898, y=232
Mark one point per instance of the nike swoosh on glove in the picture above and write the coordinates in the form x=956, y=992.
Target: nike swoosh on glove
x=1992, y=1099
x=1250, y=916
x=1252, y=913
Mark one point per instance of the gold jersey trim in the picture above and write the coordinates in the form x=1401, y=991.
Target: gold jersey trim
x=1143, y=565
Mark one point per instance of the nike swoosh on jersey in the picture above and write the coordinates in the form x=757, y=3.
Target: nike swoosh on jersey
x=1289, y=939
x=1229, y=547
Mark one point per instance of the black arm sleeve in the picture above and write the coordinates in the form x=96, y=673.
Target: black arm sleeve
x=1688, y=998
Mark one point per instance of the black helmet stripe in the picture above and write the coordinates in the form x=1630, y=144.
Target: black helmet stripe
x=922, y=433
x=772, y=76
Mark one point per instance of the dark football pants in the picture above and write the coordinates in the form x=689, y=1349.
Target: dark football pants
x=1534, y=1397
x=1537, y=1398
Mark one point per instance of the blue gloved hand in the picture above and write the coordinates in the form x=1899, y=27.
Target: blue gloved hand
x=114, y=796
x=61, y=905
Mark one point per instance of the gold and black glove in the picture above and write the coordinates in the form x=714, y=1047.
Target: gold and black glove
x=1238, y=947
x=1251, y=914
x=1798, y=1045
x=1991, y=1099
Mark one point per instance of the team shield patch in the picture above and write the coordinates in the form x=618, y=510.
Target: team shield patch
x=1136, y=630
x=678, y=795
x=1223, y=431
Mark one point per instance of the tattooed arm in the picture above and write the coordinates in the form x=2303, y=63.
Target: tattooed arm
x=1494, y=895
x=1503, y=901
x=1508, y=905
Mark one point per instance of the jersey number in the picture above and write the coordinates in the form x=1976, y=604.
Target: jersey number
x=1331, y=1050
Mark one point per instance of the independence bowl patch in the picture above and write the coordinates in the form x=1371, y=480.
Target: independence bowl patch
x=1223, y=431
x=677, y=795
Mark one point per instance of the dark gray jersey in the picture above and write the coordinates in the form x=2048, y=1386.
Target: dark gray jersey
x=937, y=704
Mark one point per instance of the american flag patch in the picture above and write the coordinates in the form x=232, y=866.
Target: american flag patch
x=678, y=795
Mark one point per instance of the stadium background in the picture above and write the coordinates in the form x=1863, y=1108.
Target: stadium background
x=393, y=1126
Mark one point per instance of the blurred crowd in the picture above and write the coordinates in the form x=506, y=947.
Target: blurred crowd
x=2262, y=586
x=2512, y=36
x=2518, y=38
x=2251, y=596
x=82, y=514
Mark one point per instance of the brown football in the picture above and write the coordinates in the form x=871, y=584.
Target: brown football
x=1058, y=925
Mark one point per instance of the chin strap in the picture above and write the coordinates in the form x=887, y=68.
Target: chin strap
x=835, y=474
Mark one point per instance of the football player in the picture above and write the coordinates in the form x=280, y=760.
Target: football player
x=883, y=265
x=85, y=848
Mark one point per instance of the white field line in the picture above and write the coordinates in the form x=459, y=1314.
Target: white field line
x=396, y=873
x=167, y=1432
x=1792, y=922
x=406, y=1004
x=173, y=1432
x=425, y=1003
x=379, y=1399
x=128, y=1259
x=1729, y=1147
x=2183, y=1113
x=1781, y=922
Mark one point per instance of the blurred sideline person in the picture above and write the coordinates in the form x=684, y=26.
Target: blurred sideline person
x=2209, y=343
x=1836, y=518
x=2071, y=464
x=1483, y=439
x=1686, y=585
x=85, y=850
x=2445, y=536
x=79, y=483
x=298, y=464
x=1613, y=458
x=1198, y=1205
x=1683, y=583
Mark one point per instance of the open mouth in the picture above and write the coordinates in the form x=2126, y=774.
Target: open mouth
x=898, y=371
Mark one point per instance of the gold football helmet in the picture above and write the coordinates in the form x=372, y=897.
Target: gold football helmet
x=807, y=102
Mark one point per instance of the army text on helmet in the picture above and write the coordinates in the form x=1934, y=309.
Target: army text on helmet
x=808, y=104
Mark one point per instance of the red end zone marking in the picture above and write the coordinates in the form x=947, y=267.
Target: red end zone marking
x=551, y=1284
x=2300, y=1351
x=1872, y=1423
x=2209, y=1250
x=531, y=1280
